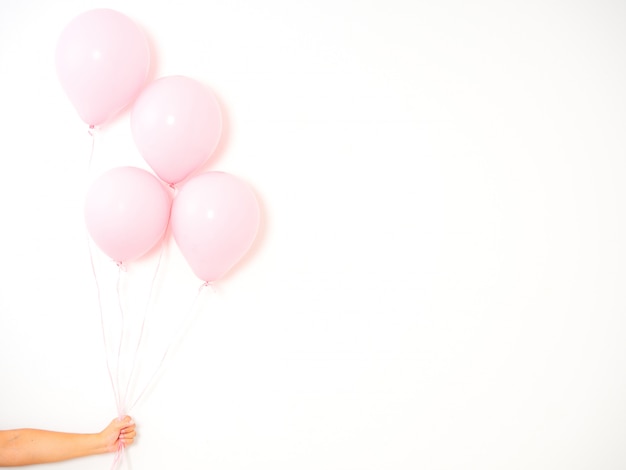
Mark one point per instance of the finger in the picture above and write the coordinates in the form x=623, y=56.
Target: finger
x=128, y=426
x=127, y=430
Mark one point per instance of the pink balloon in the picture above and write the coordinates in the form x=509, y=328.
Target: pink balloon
x=127, y=211
x=176, y=123
x=215, y=219
x=102, y=61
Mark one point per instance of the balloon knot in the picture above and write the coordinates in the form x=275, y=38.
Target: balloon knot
x=121, y=265
x=207, y=285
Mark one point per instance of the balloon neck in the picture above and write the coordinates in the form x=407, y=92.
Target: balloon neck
x=207, y=285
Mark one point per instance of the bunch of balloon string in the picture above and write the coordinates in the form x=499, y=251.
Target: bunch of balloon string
x=103, y=61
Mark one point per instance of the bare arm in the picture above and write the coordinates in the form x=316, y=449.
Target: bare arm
x=32, y=446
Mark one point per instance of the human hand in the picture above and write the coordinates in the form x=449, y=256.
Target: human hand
x=118, y=434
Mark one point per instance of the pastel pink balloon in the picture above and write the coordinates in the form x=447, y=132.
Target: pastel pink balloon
x=127, y=211
x=102, y=61
x=176, y=123
x=215, y=219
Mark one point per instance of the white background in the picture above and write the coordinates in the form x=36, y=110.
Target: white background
x=439, y=279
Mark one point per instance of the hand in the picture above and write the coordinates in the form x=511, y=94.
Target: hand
x=118, y=434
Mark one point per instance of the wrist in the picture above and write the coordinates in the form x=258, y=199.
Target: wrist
x=101, y=444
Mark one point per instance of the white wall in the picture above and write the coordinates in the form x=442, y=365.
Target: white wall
x=438, y=283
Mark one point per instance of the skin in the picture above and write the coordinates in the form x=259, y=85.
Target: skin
x=33, y=446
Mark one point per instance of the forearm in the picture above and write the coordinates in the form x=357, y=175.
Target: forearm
x=32, y=446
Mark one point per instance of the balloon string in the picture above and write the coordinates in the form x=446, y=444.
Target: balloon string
x=92, y=132
x=184, y=326
x=143, y=325
x=102, y=326
x=120, y=306
x=119, y=457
